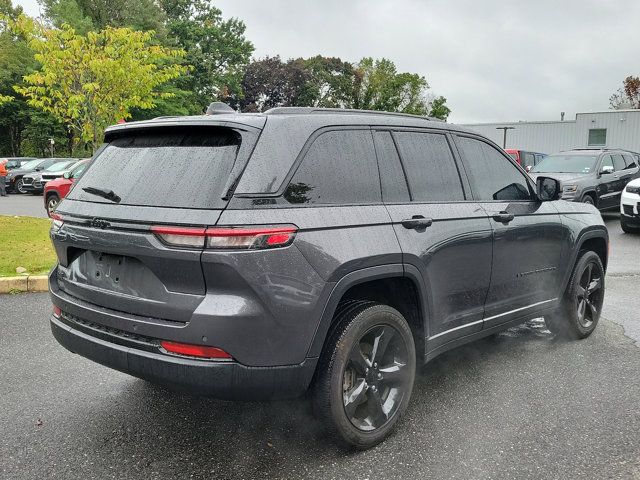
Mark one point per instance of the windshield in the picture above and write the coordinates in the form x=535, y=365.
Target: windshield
x=58, y=167
x=566, y=164
x=78, y=169
x=169, y=168
x=31, y=165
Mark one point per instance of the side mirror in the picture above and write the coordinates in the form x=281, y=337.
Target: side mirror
x=528, y=169
x=66, y=175
x=605, y=170
x=548, y=189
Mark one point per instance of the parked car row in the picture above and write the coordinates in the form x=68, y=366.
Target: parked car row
x=56, y=189
x=31, y=175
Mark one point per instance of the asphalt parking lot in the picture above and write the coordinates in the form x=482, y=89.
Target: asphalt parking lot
x=519, y=405
x=17, y=204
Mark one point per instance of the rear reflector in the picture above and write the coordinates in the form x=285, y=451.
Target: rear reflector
x=57, y=222
x=56, y=311
x=201, y=351
x=227, y=237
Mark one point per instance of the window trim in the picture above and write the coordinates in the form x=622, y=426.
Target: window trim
x=378, y=159
x=528, y=179
x=302, y=155
x=447, y=134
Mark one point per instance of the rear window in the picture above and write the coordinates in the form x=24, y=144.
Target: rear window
x=176, y=168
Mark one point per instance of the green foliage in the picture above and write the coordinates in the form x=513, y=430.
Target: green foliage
x=378, y=86
x=333, y=83
x=92, y=15
x=439, y=109
x=91, y=81
x=216, y=49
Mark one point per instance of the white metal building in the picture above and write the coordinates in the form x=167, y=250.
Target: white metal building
x=612, y=129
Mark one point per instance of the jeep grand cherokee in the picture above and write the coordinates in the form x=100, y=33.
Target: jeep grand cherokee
x=316, y=250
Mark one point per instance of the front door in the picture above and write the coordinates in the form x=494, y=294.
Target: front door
x=527, y=234
x=443, y=236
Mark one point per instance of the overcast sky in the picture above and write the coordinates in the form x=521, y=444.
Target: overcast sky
x=493, y=60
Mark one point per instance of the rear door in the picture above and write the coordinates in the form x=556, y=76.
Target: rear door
x=108, y=255
x=609, y=187
x=443, y=235
x=528, y=235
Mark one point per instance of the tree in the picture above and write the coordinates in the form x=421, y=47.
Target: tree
x=216, y=49
x=331, y=82
x=16, y=60
x=91, y=81
x=93, y=15
x=378, y=86
x=628, y=96
x=438, y=108
x=270, y=82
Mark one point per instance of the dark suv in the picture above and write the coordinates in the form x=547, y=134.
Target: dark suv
x=304, y=249
x=597, y=177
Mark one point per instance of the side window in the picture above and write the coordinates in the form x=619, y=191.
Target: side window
x=430, y=167
x=392, y=177
x=492, y=176
x=339, y=167
x=631, y=161
x=618, y=162
x=607, y=161
x=529, y=160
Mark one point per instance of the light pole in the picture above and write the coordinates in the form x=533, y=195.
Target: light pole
x=52, y=142
x=504, y=137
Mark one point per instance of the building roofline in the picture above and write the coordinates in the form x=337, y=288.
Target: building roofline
x=519, y=122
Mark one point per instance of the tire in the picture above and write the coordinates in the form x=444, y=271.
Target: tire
x=19, y=188
x=578, y=314
x=52, y=203
x=360, y=394
x=588, y=199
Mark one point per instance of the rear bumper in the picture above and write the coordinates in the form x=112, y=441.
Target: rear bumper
x=226, y=380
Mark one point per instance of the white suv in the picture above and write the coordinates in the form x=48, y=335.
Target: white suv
x=630, y=207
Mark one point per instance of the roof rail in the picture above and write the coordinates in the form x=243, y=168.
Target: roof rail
x=341, y=111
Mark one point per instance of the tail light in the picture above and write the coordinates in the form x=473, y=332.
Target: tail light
x=57, y=311
x=228, y=238
x=57, y=222
x=201, y=351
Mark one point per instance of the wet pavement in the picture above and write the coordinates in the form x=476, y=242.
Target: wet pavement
x=17, y=204
x=518, y=405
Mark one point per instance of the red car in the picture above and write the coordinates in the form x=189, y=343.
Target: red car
x=56, y=190
x=527, y=159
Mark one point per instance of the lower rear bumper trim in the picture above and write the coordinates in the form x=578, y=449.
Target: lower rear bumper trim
x=223, y=380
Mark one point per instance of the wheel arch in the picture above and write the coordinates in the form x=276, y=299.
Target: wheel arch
x=392, y=284
x=593, y=194
x=596, y=240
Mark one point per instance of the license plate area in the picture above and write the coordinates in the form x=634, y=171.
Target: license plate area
x=108, y=270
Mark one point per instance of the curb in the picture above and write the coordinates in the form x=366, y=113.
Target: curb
x=24, y=283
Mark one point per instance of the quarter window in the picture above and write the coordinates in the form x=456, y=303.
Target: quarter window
x=430, y=167
x=492, y=176
x=339, y=168
x=597, y=137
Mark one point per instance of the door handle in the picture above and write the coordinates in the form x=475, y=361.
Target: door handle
x=416, y=222
x=503, y=217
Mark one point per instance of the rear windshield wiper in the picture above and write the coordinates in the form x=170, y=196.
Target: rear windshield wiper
x=108, y=194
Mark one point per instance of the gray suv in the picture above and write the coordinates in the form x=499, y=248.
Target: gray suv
x=593, y=176
x=258, y=256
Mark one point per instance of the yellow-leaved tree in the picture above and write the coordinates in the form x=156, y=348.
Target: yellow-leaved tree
x=92, y=81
